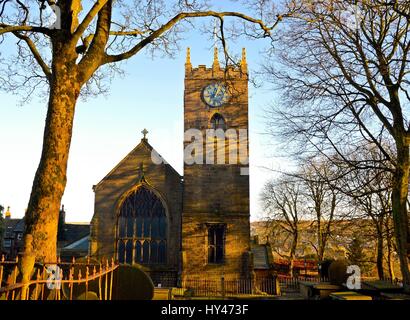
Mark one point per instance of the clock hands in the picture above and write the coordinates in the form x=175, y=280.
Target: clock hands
x=214, y=92
x=217, y=91
x=215, y=95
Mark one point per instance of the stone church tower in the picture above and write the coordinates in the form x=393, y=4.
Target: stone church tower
x=189, y=226
x=215, y=215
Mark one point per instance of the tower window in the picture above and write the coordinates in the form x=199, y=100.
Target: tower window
x=218, y=122
x=216, y=243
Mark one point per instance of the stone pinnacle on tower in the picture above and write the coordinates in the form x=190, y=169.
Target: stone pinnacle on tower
x=215, y=65
x=244, y=64
x=188, y=65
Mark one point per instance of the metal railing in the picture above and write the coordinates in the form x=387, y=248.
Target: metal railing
x=58, y=281
x=221, y=287
x=292, y=283
x=258, y=286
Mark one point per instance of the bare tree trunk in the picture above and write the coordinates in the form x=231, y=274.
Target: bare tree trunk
x=320, y=247
x=399, y=206
x=293, y=253
x=50, y=179
x=390, y=262
x=379, y=259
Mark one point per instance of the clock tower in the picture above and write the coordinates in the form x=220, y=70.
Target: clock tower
x=215, y=217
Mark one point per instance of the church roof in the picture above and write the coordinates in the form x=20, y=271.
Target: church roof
x=142, y=145
x=80, y=244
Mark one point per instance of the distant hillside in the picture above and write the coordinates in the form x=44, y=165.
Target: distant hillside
x=342, y=234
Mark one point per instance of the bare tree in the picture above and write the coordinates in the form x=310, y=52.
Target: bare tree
x=281, y=200
x=343, y=69
x=370, y=193
x=72, y=58
x=321, y=199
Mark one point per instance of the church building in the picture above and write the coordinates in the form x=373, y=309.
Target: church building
x=191, y=226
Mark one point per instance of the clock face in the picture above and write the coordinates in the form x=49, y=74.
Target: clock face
x=215, y=94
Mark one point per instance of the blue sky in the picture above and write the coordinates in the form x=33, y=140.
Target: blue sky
x=107, y=128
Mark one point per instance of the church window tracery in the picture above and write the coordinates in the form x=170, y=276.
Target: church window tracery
x=142, y=229
x=216, y=243
x=218, y=122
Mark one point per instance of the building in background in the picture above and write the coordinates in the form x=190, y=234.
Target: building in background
x=72, y=238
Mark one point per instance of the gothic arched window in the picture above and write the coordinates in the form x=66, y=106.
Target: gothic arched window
x=218, y=122
x=142, y=225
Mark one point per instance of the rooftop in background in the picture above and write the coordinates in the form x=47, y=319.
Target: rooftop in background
x=73, y=232
x=72, y=237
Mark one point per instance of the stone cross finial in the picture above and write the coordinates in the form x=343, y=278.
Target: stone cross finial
x=144, y=132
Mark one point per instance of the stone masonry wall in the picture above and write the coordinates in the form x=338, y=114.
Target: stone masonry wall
x=164, y=180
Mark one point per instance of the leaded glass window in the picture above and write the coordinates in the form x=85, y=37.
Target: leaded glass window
x=142, y=229
x=216, y=243
x=218, y=122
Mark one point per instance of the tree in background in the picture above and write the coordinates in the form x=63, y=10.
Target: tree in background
x=357, y=255
x=282, y=203
x=320, y=198
x=355, y=251
x=369, y=191
x=342, y=67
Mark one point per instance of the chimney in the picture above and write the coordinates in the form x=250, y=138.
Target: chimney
x=8, y=214
x=61, y=223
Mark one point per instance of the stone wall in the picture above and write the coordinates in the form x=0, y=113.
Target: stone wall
x=126, y=176
x=215, y=193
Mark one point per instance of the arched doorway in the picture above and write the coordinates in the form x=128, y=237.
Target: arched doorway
x=142, y=229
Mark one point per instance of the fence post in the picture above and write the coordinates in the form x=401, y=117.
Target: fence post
x=1, y=274
x=79, y=277
x=37, y=285
x=100, y=283
x=60, y=284
x=106, y=280
x=111, y=277
x=277, y=285
x=14, y=280
x=43, y=277
x=223, y=286
x=71, y=278
x=86, y=282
